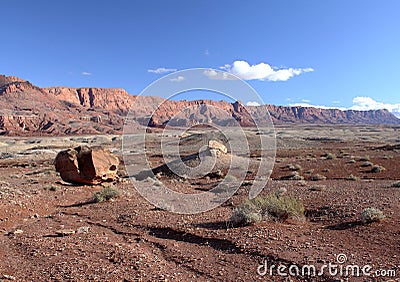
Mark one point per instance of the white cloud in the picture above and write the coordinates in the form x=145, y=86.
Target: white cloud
x=252, y=103
x=261, y=71
x=207, y=52
x=177, y=79
x=367, y=103
x=305, y=101
x=86, y=73
x=161, y=70
x=359, y=104
x=212, y=74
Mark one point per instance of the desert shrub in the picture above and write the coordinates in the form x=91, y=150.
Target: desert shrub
x=352, y=177
x=329, y=156
x=294, y=167
x=352, y=161
x=310, y=171
x=317, y=177
x=280, y=192
x=318, y=188
x=370, y=215
x=269, y=207
x=51, y=188
x=294, y=175
x=377, y=169
x=106, y=194
x=367, y=164
x=396, y=184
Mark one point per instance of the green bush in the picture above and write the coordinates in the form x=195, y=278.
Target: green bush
x=370, y=215
x=269, y=207
x=106, y=194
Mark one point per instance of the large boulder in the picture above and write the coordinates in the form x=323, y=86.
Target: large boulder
x=84, y=165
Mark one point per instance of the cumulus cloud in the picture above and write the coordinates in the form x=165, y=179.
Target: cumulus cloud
x=177, y=79
x=86, y=73
x=252, y=103
x=359, y=104
x=212, y=74
x=161, y=70
x=261, y=71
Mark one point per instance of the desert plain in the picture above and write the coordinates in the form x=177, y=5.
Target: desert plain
x=53, y=231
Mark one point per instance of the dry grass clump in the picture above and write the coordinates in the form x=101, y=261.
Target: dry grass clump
x=370, y=215
x=317, y=177
x=267, y=208
x=294, y=167
x=106, y=194
x=318, y=188
x=377, y=169
x=329, y=156
x=293, y=176
x=352, y=177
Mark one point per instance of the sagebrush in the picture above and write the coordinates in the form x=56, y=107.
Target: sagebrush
x=268, y=207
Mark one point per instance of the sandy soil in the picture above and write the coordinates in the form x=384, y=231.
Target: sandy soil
x=52, y=231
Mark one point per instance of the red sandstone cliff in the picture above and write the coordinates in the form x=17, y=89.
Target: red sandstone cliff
x=26, y=109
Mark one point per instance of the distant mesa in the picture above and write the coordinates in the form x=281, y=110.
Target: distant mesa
x=28, y=110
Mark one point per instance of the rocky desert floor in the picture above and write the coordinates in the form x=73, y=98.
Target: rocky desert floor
x=53, y=231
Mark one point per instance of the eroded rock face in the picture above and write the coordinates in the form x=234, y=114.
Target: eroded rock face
x=84, y=165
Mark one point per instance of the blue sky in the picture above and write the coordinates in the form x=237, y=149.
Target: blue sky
x=333, y=53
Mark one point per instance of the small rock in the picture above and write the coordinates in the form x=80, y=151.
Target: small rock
x=83, y=229
x=65, y=232
x=18, y=231
x=9, y=277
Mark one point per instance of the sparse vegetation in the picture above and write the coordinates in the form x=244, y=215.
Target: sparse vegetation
x=280, y=192
x=352, y=177
x=370, y=215
x=396, y=184
x=106, y=194
x=269, y=207
x=293, y=176
x=318, y=188
x=329, y=156
x=377, y=169
x=310, y=171
x=294, y=167
x=52, y=188
x=317, y=177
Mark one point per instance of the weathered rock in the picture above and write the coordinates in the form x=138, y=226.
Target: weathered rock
x=215, y=145
x=84, y=165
